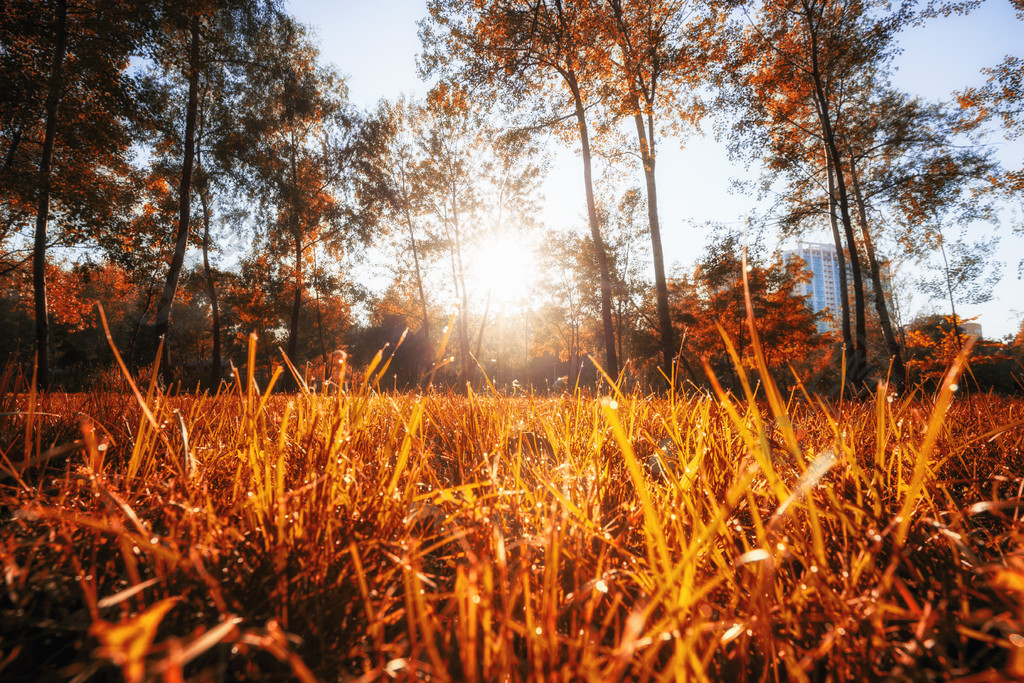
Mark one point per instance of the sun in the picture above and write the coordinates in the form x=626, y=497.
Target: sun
x=505, y=267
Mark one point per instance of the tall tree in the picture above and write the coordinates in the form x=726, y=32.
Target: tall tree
x=664, y=47
x=1001, y=98
x=476, y=181
x=306, y=158
x=189, y=42
x=64, y=96
x=889, y=139
x=399, y=167
x=53, y=97
x=801, y=62
x=163, y=312
x=530, y=51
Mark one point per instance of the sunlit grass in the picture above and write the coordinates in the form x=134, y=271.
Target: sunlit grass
x=480, y=537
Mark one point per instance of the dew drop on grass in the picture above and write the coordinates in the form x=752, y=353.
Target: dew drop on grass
x=538, y=630
x=476, y=599
x=601, y=586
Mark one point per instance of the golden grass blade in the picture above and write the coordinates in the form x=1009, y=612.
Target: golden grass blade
x=300, y=381
x=405, y=449
x=657, y=545
x=612, y=383
x=387, y=363
x=227, y=628
x=810, y=478
x=121, y=596
x=131, y=383
x=923, y=455
x=775, y=400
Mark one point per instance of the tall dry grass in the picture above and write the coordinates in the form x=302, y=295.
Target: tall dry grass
x=434, y=536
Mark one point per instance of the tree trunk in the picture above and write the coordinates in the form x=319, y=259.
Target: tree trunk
x=138, y=328
x=296, y=220
x=835, y=161
x=320, y=310
x=13, y=149
x=43, y=213
x=419, y=275
x=211, y=291
x=464, y=366
x=844, y=290
x=483, y=325
x=611, y=361
x=163, y=313
x=293, y=328
x=896, y=358
x=668, y=344
x=949, y=289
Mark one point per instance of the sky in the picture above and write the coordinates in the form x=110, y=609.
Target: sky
x=374, y=44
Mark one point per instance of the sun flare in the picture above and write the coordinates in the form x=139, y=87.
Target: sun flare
x=504, y=268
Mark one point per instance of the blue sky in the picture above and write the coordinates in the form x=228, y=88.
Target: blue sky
x=375, y=45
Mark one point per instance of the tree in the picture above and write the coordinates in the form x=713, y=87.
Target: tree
x=637, y=326
x=663, y=50
x=799, y=66
x=187, y=41
x=63, y=131
x=530, y=51
x=399, y=168
x=567, y=301
x=477, y=183
x=306, y=159
x=715, y=298
x=939, y=186
x=909, y=170
x=1002, y=98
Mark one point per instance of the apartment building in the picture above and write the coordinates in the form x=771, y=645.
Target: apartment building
x=822, y=291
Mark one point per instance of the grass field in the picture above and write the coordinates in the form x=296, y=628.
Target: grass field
x=366, y=536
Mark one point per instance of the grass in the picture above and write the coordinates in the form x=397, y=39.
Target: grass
x=435, y=536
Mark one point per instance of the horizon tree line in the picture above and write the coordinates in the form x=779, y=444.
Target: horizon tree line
x=215, y=113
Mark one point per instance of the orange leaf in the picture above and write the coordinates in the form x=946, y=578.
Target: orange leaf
x=127, y=643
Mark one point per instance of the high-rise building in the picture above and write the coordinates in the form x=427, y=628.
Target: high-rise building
x=822, y=291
